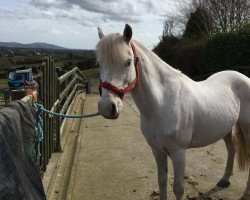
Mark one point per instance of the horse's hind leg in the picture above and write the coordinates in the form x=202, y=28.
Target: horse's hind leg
x=224, y=181
x=246, y=195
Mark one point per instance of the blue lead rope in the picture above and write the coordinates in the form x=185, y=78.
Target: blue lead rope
x=39, y=126
x=40, y=107
x=39, y=122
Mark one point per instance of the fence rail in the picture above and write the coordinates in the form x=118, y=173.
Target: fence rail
x=56, y=94
x=4, y=97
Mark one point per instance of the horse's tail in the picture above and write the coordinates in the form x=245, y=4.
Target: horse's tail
x=243, y=155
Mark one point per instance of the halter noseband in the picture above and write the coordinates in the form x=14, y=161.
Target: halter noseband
x=121, y=92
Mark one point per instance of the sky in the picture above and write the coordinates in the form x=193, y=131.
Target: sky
x=73, y=23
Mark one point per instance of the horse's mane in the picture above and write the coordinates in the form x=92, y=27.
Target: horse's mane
x=155, y=58
x=111, y=48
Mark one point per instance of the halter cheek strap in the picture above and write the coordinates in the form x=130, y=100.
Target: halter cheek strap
x=121, y=92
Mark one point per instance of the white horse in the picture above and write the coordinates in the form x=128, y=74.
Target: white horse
x=176, y=112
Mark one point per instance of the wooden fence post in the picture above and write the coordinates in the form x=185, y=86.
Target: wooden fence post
x=56, y=94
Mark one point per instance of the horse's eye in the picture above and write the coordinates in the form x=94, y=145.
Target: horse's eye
x=128, y=62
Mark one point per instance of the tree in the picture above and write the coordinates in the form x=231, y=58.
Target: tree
x=227, y=14
x=212, y=38
x=199, y=24
x=168, y=28
x=167, y=41
x=222, y=15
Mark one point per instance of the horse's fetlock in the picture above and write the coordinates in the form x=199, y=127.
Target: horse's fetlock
x=178, y=191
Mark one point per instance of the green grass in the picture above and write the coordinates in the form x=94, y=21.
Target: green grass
x=33, y=65
x=91, y=73
x=3, y=83
x=93, y=76
x=60, y=63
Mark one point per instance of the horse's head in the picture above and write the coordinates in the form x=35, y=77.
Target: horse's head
x=118, y=70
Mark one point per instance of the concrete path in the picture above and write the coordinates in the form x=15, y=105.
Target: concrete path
x=112, y=161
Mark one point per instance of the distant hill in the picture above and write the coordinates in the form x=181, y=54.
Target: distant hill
x=36, y=45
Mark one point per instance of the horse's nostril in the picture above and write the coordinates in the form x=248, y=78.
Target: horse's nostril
x=113, y=109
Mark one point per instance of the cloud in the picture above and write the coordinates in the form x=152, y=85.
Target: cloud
x=108, y=10
x=18, y=13
x=106, y=7
x=55, y=32
x=55, y=20
x=47, y=3
x=74, y=32
x=90, y=13
x=47, y=13
x=158, y=7
x=6, y=13
x=122, y=18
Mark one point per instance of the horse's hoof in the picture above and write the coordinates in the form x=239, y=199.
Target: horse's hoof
x=223, y=183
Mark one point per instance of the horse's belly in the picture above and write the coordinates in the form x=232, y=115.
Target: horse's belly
x=210, y=131
x=215, y=113
x=201, y=141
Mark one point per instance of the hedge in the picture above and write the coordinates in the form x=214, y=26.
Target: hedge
x=220, y=51
x=228, y=50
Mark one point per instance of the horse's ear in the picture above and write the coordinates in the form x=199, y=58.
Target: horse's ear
x=100, y=33
x=127, y=33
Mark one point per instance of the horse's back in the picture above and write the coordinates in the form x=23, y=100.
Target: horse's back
x=228, y=75
x=238, y=83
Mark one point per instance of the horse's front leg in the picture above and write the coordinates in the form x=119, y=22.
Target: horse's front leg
x=162, y=167
x=178, y=158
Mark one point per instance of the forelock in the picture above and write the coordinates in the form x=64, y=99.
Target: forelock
x=111, y=49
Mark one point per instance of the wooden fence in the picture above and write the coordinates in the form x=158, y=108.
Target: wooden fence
x=4, y=97
x=55, y=94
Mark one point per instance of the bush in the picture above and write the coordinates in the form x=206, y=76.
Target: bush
x=197, y=57
x=183, y=54
x=189, y=58
x=228, y=50
x=165, y=49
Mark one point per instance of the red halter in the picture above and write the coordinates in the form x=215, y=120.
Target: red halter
x=121, y=92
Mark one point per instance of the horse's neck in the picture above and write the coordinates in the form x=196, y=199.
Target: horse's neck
x=156, y=80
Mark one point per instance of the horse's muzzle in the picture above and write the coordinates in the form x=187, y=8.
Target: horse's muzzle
x=108, y=109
